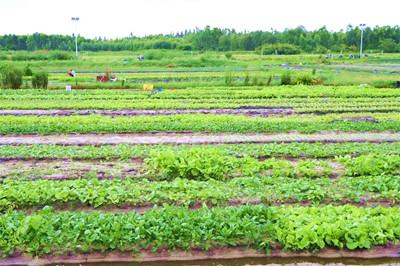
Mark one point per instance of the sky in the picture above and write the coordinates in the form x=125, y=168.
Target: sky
x=118, y=18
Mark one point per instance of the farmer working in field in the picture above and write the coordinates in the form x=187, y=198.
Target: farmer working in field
x=72, y=73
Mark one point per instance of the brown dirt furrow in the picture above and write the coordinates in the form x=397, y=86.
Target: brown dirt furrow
x=127, y=112
x=193, y=138
x=218, y=256
x=142, y=207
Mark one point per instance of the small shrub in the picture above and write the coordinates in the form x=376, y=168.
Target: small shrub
x=321, y=50
x=317, y=81
x=384, y=83
x=204, y=58
x=11, y=77
x=29, y=56
x=28, y=71
x=305, y=79
x=38, y=56
x=40, y=80
x=246, y=79
x=314, y=71
x=60, y=55
x=255, y=81
x=322, y=60
x=286, y=78
x=269, y=80
x=186, y=47
x=154, y=55
x=19, y=57
x=228, y=78
x=228, y=55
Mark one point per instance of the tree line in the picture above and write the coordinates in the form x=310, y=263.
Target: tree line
x=384, y=38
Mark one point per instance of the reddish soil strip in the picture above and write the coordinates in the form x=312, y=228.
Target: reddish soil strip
x=389, y=251
x=143, y=207
x=60, y=169
x=192, y=138
x=69, y=169
x=248, y=112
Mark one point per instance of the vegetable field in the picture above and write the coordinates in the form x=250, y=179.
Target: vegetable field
x=199, y=173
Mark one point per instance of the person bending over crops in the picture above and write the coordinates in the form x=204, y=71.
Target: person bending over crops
x=72, y=73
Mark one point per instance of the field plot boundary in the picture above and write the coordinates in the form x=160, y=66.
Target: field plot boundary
x=193, y=138
x=386, y=252
x=127, y=112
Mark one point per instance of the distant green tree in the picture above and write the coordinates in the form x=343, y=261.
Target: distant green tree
x=214, y=39
x=207, y=39
x=389, y=46
x=279, y=48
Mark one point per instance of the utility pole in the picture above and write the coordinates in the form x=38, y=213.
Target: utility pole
x=76, y=19
x=362, y=27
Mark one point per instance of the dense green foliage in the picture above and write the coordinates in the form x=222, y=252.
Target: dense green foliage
x=196, y=185
x=300, y=98
x=230, y=178
x=286, y=78
x=125, y=151
x=28, y=71
x=199, y=164
x=11, y=77
x=178, y=228
x=314, y=228
x=40, y=80
x=371, y=164
x=92, y=192
x=192, y=122
x=167, y=227
x=278, y=48
x=319, y=41
x=204, y=164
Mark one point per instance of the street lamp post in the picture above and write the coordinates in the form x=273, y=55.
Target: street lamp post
x=362, y=27
x=76, y=19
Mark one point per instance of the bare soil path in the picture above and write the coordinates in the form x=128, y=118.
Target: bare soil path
x=380, y=255
x=193, y=138
x=126, y=112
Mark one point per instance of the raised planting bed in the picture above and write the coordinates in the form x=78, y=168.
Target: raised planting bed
x=200, y=233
